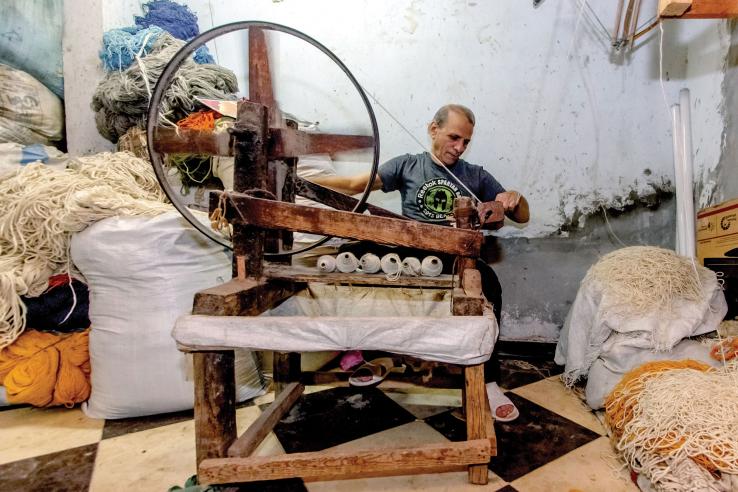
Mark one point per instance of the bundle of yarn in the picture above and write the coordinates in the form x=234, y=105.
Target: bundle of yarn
x=644, y=279
x=121, y=100
x=43, y=206
x=47, y=369
x=677, y=423
x=390, y=264
x=122, y=46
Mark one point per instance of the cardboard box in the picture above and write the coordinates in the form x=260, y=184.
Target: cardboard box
x=717, y=231
x=717, y=248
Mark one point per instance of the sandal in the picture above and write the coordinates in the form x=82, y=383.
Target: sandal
x=374, y=372
x=498, y=399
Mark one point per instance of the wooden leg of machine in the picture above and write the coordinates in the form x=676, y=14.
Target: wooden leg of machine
x=286, y=370
x=215, y=404
x=479, y=423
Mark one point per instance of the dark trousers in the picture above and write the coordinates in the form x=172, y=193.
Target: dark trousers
x=490, y=284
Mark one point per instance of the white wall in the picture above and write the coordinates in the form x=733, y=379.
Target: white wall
x=558, y=116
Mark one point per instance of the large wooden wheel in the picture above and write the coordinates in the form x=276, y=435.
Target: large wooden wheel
x=285, y=141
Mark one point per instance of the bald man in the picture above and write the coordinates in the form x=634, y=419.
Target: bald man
x=428, y=183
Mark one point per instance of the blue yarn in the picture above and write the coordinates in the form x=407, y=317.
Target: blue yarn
x=203, y=56
x=121, y=45
x=174, y=18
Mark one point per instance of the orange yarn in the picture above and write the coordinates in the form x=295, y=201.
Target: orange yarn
x=45, y=369
x=725, y=350
x=200, y=120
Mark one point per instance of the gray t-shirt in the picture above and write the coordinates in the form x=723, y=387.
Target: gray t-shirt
x=428, y=191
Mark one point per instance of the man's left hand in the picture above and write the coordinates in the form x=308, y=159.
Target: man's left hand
x=509, y=199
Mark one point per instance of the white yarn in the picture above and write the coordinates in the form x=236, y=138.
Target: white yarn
x=432, y=266
x=701, y=409
x=346, y=262
x=411, y=266
x=391, y=264
x=43, y=206
x=369, y=263
x=326, y=264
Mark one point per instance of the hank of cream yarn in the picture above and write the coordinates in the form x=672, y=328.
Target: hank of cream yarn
x=369, y=263
x=346, y=262
x=431, y=266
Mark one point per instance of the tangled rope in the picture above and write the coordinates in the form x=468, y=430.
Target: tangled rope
x=644, y=279
x=43, y=206
x=121, y=99
x=666, y=417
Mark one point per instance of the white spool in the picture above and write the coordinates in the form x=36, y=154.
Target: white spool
x=391, y=264
x=347, y=262
x=326, y=264
x=431, y=266
x=411, y=266
x=369, y=263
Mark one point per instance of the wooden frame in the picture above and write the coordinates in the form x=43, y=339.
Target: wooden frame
x=222, y=456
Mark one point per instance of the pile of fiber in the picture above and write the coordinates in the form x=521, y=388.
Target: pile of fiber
x=635, y=305
x=43, y=206
x=121, y=99
x=135, y=57
x=676, y=422
x=46, y=369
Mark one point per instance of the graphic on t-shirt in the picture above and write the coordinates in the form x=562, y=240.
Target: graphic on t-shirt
x=435, y=199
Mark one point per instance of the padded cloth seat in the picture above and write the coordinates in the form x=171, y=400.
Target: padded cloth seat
x=413, y=322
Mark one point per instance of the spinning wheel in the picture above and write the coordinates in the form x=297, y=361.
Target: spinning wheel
x=265, y=147
x=284, y=141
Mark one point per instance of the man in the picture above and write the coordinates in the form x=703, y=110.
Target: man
x=428, y=184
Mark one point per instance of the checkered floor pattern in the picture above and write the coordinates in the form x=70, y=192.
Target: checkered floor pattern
x=556, y=444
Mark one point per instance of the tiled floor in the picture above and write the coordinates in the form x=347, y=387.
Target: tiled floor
x=555, y=445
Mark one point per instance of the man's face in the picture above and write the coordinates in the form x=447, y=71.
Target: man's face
x=449, y=141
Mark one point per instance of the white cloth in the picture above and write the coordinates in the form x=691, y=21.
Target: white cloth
x=399, y=320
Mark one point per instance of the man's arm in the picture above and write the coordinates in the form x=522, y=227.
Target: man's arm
x=516, y=206
x=349, y=185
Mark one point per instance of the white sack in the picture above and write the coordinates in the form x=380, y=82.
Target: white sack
x=143, y=274
x=13, y=156
x=588, y=327
x=29, y=112
x=608, y=370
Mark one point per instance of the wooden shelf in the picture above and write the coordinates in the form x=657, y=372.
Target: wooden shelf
x=306, y=274
x=698, y=9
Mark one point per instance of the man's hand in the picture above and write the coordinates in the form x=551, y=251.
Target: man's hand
x=509, y=200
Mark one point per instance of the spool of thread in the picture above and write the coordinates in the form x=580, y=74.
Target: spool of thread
x=391, y=264
x=411, y=266
x=326, y=264
x=346, y=262
x=431, y=266
x=369, y=263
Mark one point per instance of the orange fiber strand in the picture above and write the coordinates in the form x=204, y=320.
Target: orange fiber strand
x=200, y=120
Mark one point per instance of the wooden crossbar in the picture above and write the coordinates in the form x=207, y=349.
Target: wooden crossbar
x=255, y=434
x=270, y=214
x=335, y=465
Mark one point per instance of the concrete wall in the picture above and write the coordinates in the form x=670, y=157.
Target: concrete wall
x=726, y=172
x=580, y=130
